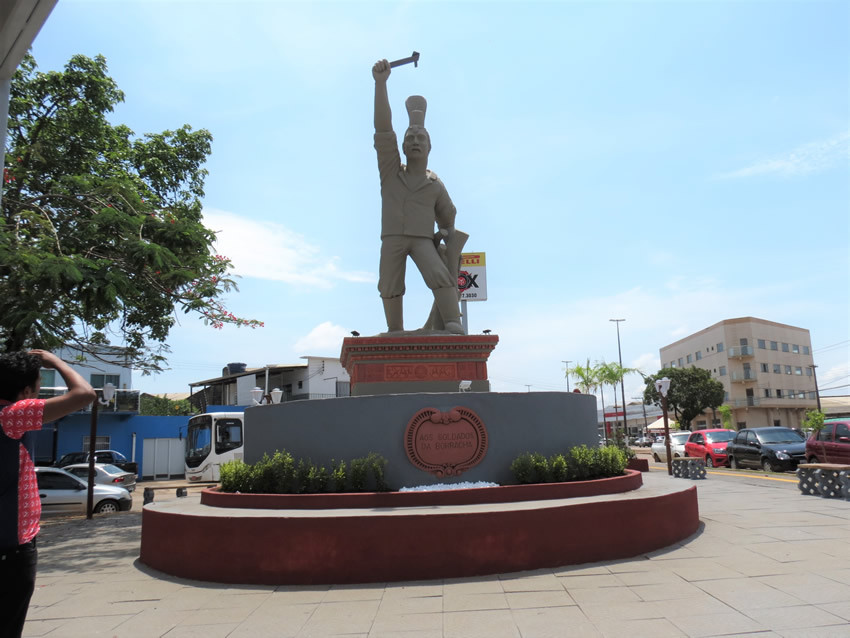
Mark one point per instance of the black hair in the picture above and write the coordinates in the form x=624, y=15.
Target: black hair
x=18, y=371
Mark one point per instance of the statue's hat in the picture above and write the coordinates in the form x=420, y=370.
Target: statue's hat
x=416, y=107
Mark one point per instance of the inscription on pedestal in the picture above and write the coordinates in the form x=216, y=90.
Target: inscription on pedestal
x=445, y=443
x=419, y=371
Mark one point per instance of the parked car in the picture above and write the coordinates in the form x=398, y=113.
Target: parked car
x=104, y=474
x=677, y=446
x=62, y=493
x=830, y=445
x=709, y=445
x=643, y=441
x=100, y=456
x=771, y=448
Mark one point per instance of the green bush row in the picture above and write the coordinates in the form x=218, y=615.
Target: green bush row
x=281, y=474
x=579, y=464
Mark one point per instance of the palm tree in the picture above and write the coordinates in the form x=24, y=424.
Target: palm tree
x=612, y=374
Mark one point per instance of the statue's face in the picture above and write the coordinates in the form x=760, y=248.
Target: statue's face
x=417, y=143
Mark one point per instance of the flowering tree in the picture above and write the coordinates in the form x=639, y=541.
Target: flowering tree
x=101, y=234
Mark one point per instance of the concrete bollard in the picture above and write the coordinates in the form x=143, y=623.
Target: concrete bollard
x=148, y=495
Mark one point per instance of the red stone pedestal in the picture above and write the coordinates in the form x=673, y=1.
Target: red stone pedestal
x=417, y=363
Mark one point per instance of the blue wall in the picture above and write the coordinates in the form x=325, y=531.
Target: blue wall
x=120, y=428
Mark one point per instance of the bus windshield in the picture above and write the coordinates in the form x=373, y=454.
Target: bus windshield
x=198, y=440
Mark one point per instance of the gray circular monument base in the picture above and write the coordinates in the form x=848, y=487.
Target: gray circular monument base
x=324, y=430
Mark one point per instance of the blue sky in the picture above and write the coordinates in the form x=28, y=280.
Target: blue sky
x=673, y=164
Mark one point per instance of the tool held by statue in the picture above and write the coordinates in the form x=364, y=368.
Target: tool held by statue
x=413, y=58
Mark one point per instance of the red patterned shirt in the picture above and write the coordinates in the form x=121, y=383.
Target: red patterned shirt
x=17, y=419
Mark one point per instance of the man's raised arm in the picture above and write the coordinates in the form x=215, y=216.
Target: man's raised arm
x=383, y=114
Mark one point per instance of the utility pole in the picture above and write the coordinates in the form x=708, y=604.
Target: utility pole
x=567, y=364
x=817, y=392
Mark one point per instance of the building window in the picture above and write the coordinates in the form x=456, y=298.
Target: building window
x=722, y=371
x=777, y=423
x=778, y=393
x=784, y=347
x=764, y=367
x=681, y=362
x=795, y=348
x=798, y=370
x=742, y=425
x=100, y=380
x=720, y=347
x=808, y=372
x=698, y=355
x=762, y=344
x=805, y=349
x=744, y=342
x=100, y=443
x=777, y=369
x=767, y=392
x=690, y=359
x=787, y=369
x=300, y=384
x=774, y=345
x=48, y=378
x=725, y=396
x=701, y=424
x=812, y=395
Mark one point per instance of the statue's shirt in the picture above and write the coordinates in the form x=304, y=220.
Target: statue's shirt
x=409, y=208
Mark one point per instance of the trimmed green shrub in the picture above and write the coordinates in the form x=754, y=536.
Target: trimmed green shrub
x=579, y=464
x=235, y=477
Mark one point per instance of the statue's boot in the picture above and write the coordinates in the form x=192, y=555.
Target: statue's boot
x=446, y=300
x=394, y=312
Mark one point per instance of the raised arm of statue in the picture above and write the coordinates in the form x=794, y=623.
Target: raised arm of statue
x=383, y=114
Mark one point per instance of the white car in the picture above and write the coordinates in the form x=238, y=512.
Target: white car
x=104, y=474
x=63, y=494
x=677, y=446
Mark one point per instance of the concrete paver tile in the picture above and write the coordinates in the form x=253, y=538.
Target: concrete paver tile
x=201, y=631
x=281, y=622
x=755, y=564
x=585, y=569
x=94, y=626
x=696, y=606
x=292, y=596
x=410, y=605
x=642, y=628
x=667, y=591
x=531, y=599
x=542, y=582
x=590, y=581
x=230, y=615
x=596, y=612
x=40, y=627
x=656, y=577
x=700, y=569
x=353, y=592
x=715, y=624
x=413, y=589
x=488, y=585
x=342, y=617
x=554, y=622
x=811, y=588
x=497, y=623
x=408, y=622
x=603, y=595
x=420, y=633
x=841, y=609
x=151, y=622
x=817, y=632
x=474, y=602
x=796, y=617
x=748, y=593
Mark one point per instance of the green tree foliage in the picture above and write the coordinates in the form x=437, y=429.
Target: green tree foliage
x=163, y=406
x=692, y=390
x=101, y=232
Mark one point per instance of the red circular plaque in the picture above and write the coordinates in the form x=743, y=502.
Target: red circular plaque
x=445, y=443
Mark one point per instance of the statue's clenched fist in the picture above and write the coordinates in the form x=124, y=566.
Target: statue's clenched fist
x=381, y=70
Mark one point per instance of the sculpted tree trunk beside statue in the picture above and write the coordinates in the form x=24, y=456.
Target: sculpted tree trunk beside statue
x=413, y=201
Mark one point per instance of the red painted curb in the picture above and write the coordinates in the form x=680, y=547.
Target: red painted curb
x=631, y=480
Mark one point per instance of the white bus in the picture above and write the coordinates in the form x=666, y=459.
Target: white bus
x=213, y=439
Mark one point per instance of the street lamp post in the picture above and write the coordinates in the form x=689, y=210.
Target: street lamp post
x=645, y=422
x=567, y=364
x=663, y=385
x=623, y=378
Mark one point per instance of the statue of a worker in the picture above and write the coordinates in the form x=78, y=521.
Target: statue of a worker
x=413, y=200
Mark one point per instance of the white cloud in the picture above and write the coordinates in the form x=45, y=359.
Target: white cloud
x=808, y=158
x=323, y=338
x=267, y=250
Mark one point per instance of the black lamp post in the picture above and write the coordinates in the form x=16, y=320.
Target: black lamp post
x=622, y=379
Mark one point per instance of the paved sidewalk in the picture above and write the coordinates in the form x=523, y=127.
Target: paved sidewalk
x=768, y=561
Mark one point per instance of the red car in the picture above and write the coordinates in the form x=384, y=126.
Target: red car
x=709, y=445
x=830, y=445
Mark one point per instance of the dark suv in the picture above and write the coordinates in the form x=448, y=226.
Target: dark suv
x=100, y=456
x=830, y=445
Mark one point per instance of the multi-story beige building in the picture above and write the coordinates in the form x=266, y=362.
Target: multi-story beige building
x=766, y=369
